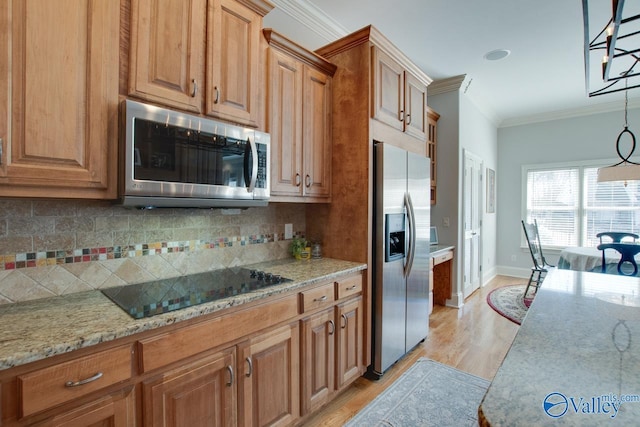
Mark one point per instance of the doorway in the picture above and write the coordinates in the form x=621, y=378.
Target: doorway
x=472, y=218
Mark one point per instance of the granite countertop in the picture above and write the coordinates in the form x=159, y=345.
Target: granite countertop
x=34, y=330
x=575, y=356
x=437, y=250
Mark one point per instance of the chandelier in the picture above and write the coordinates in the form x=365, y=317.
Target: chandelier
x=611, y=48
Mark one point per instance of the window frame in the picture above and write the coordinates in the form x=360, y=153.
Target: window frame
x=581, y=211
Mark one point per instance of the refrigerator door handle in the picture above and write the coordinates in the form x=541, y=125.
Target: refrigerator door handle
x=412, y=234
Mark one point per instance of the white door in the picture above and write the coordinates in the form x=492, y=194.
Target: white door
x=472, y=214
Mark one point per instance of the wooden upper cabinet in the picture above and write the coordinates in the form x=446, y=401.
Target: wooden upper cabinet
x=167, y=52
x=59, y=98
x=400, y=97
x=199, y=56
x=299, y=121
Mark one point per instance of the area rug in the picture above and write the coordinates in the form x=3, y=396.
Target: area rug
x=427, y=394
x=508, y=301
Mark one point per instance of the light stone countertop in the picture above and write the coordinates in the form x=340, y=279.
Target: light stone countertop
x=37, y=329
x=437, y=250
x=577, y=351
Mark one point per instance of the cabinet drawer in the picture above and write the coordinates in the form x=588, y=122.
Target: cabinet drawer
x=349, y=286
x=317, y=297
x=47, y=387
x=442, y=258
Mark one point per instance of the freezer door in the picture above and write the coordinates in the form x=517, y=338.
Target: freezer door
x=417, y=307
x=389, y=282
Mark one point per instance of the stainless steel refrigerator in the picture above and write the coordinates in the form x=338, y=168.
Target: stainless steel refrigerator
x=402, y=212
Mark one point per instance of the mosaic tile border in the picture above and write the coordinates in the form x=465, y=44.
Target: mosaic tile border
x=45, y=258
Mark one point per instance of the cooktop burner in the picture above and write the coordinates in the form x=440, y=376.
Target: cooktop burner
x=161, y=296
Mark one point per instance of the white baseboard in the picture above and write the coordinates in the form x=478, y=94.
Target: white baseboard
x=514, y=272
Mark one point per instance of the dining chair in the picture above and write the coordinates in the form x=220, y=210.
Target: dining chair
x=627, y=251
x=540, y=265
x=614, y=237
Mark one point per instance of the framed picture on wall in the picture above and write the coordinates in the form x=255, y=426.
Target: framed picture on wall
x=491, y=191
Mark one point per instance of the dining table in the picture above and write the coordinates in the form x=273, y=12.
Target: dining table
x=587, y=258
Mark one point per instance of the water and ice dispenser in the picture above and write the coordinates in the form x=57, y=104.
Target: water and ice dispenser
x=394, y=238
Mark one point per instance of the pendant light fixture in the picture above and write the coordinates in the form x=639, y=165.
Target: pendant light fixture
x=626, y=169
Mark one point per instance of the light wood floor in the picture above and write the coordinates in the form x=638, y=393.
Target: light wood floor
x=474, y=339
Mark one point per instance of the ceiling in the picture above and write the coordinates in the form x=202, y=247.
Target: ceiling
x=542, y=79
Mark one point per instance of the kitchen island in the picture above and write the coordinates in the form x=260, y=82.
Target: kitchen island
x=576, y=358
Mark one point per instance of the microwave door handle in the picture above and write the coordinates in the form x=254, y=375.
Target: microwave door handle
x=250, y=177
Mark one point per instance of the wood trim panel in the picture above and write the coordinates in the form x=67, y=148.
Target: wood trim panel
x=161, y=350
x=293, y=49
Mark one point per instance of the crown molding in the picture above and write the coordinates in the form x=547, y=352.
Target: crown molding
x=450, y=84
x=570, y=113
x=313, y=18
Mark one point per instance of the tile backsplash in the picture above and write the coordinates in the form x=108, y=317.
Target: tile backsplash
x=50, y=248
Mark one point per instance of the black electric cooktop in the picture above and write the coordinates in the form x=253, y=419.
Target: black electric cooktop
x=161, y=296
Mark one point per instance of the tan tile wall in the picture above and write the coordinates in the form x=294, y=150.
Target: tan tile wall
x=50, y=248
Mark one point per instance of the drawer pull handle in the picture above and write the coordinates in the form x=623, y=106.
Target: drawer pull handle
x=333, y=327
x=217, y=98
x=230, y=369
x=85, y=381
x=321, y=299
x=350, y=288
x=248, y=374
x=345, y=320
x=194, y=91
x=298, y=180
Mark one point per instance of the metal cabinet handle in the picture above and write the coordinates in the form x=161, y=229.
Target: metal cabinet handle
x=217, y=98
x=321, y=299
x=408, y=119
x=230, y=369
x=248, y=374
x=345, y=321
x=298, y=180
x=350, y=288
x=82, y=382
x=307, y=181
x=194, y=91
x=0, y=151
x=333, y=327
x=402, y=115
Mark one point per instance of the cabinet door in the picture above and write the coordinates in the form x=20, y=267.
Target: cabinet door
x=269, y=387
x=115, y=410
x=202, y=394
x=317, y=133
x=233, y=59
x=285, y=124
x=415, y=103
x=318, y=360
x=59, y=98
x=350, y=339
x=167, y=52
x=388, y=75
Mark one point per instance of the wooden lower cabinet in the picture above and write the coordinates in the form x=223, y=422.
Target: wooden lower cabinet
x=349, y=338
x=331, y=352
x=317, y=349
x=200, y=394
x=268, y=377
x=115, y=410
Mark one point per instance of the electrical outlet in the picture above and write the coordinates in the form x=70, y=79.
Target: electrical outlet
x=445, y=221
x=513, y=257
x=288, y=231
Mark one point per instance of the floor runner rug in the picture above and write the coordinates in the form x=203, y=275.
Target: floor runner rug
x=427, y=394
x=508, y=301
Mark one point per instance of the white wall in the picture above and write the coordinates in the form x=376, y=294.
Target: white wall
x=462, y=126
x=590, y=137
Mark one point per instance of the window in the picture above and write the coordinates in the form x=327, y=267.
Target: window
x=571, y=207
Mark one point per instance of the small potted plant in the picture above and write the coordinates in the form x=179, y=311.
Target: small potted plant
x=300, y=248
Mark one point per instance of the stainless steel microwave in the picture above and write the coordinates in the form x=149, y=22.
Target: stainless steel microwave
x=174, y=159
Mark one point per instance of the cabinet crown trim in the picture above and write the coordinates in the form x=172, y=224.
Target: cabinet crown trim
x=278, y=41
x=262, y=7
x=372, y=35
